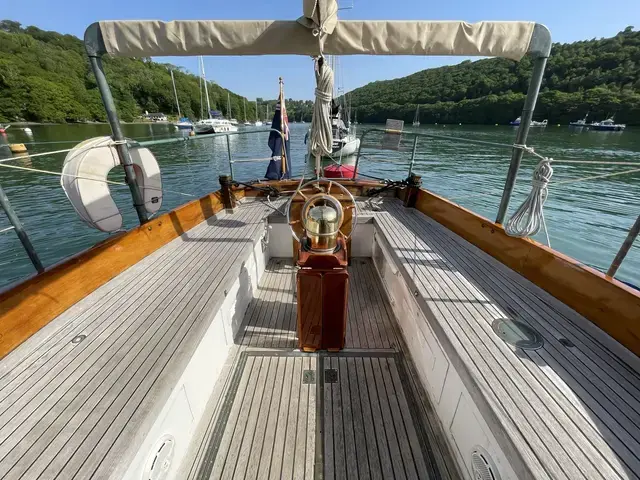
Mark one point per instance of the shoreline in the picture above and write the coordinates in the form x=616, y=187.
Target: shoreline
x=31, y=124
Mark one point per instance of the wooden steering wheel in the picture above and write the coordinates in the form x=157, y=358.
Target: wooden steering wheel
x=323, y=197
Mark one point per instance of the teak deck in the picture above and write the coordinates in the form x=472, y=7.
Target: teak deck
x=75, y=395
x=570, y=409
x=352, y=414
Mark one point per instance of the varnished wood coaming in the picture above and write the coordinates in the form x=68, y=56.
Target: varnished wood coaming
x=29, y=306
x=610, y=304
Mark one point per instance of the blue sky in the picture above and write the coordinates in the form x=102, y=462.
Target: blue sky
x=568, y=20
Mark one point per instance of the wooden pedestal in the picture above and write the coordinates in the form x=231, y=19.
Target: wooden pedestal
x=323, y=286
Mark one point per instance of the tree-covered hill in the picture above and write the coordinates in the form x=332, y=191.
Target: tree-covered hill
x=45, y=77
x=601, y=77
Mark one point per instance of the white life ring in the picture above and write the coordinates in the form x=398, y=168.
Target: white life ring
x=85, y=170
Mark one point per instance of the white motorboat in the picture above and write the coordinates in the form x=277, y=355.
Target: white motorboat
x=608, y=125
x=184, y=124
x=214, y=125
x=534, y=123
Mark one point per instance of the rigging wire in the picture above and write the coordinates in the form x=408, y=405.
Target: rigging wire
x=110, y=182
x=159, y=137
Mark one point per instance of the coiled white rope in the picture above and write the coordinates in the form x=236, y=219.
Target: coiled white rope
x=529, y=217
x=321, y=132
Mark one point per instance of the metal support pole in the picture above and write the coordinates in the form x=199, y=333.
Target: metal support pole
x=521, y=136
x=413, y=155
x=118, y=136
x=624, y=249
x=230, y=159
x=22, y=235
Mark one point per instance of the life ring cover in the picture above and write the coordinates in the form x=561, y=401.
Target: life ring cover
x=85, y=172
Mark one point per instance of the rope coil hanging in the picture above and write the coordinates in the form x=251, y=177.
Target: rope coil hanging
x=321, y=132
x=529, y=217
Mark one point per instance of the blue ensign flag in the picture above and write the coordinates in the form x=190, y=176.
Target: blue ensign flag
x=275, y=170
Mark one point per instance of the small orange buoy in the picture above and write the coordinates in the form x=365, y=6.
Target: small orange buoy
x=17, y=148
x=192, y=133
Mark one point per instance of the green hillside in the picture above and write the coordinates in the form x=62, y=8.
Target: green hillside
x=601, y=77
x=45, y=77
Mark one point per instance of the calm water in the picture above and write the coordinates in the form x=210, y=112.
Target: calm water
x=587, y=220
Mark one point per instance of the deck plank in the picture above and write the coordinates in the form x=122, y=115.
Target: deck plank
x=264, y=413
x=266, y=453
x=185, y=316
x=358, y=418
x=312, y=430
x=300, y=435
x=275, y=471
x=292, y=421
x=385, y=445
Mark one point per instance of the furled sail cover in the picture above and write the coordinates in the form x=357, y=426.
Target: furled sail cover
x=321, y=15
x=133, y=38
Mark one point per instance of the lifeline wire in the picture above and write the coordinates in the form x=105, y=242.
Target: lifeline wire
x=111, y=182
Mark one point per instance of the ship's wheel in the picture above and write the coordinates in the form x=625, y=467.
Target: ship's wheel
x=322, y=196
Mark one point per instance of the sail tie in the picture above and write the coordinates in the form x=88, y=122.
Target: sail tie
x=321, y=132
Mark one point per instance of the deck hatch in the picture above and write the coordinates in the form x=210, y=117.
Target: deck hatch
x=517, y=333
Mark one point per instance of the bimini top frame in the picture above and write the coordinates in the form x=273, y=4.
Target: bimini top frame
x=318, y=32
x=141, y=38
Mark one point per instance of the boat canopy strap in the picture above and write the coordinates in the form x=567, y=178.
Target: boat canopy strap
x=321, y=16
x=318, y=34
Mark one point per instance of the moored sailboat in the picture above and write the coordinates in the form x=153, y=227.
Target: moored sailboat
x=246, y=123
x=580, y=123
x=232, y=120
x=258, y=122
x=183, y=123
x=216, y=123
x=416, y=117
